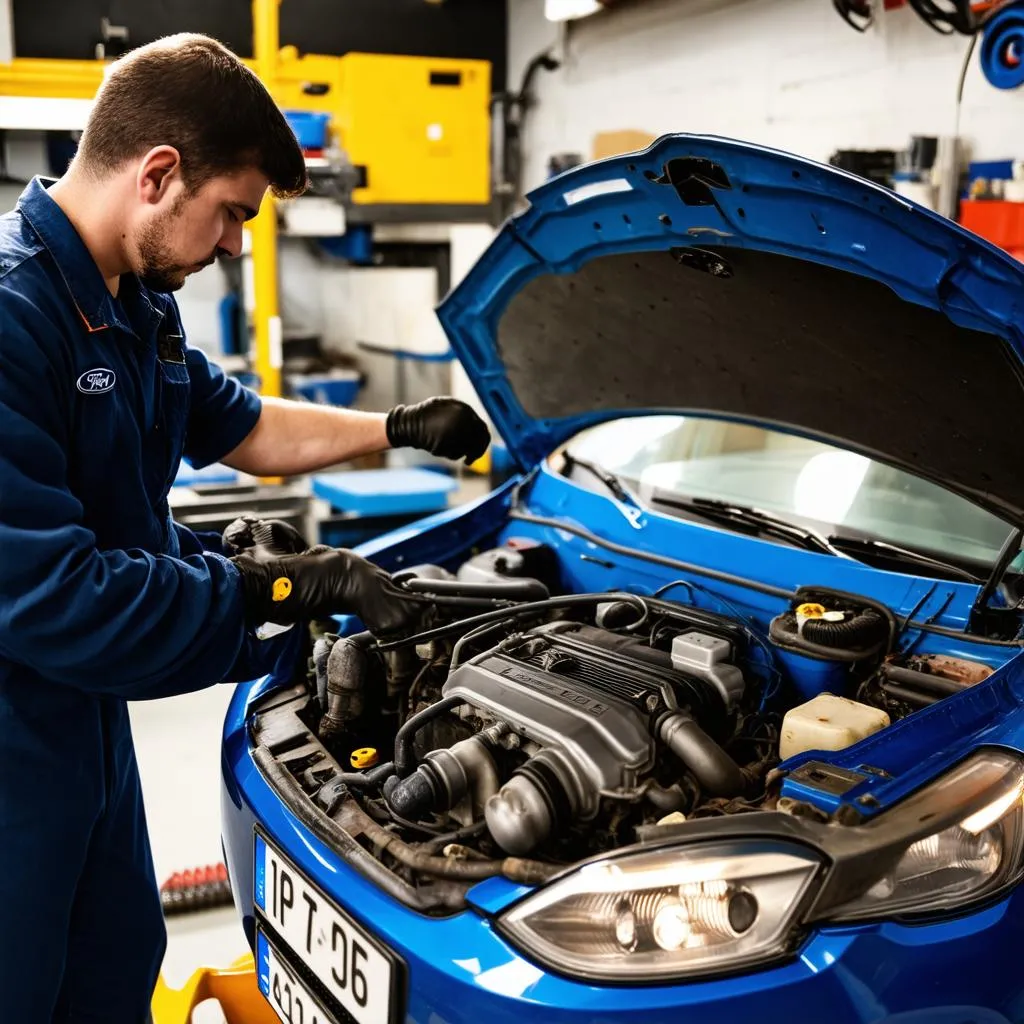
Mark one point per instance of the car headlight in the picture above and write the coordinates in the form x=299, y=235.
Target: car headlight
x=668, y=912
x=718, y=905
x=952, y=843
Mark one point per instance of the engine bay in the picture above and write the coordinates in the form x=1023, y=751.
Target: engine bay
x=522, y=730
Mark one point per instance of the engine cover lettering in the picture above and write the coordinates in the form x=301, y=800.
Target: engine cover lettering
x=564, y=693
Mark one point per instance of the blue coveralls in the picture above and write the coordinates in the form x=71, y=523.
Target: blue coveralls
x=103, y=599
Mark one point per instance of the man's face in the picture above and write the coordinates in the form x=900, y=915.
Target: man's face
x=185, y=231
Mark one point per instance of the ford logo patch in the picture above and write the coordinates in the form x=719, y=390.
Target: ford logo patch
x=95, y=382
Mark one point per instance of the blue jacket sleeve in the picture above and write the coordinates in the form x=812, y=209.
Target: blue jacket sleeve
x=195, y=542
x=124, y=623
x=222, y=412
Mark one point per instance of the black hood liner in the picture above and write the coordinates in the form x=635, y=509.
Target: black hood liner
x=779, y=340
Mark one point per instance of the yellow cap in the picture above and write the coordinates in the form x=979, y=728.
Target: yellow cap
x=810, y=611
x=364, y=757
x=282, y=588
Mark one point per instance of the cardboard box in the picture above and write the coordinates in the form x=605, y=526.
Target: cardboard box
x=627, y=140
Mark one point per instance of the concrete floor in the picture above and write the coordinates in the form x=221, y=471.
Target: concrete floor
x=178, y=745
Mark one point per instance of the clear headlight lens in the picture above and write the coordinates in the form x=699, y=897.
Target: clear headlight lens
x=667, y=913
x=960, y=862
x=714, y=906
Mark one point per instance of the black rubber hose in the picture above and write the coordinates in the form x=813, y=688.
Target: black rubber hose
x=412, y=796
x=405, y=758
x=864, y=630
x=666, y=799
x=514, y=868
x=438, y=843
x=920, y=700
x=518, y=612
x=347, y=667
x=782, y=631
x=366, y=780
x=524, y=589
x=712, y=767
x=924, y=680
x=475, y=636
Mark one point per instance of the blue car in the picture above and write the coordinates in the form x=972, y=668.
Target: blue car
x=716, y=708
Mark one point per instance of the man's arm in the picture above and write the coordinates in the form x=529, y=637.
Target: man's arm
x=300, y=437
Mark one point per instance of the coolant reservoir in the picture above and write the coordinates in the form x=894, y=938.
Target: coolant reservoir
x=828, y=722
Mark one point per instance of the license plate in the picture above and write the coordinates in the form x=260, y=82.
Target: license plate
x=286, y=992
x=348, y=962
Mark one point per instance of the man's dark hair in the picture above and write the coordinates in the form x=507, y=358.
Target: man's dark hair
x=191, y=92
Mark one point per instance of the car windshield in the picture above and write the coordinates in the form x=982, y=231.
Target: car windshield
x=807, y=482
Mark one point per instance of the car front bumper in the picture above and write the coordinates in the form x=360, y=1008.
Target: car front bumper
x=461, y=971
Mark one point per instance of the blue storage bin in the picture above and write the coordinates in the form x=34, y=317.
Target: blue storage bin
x=385, y=492
x=338, y=388
x=215, y=474
x=310, y=128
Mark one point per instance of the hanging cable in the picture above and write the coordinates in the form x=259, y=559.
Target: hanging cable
x=858, y=14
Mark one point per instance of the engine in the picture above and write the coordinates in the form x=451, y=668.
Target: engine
x=588, y=708
x=523, y=729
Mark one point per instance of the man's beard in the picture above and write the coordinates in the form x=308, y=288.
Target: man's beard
x=158, y=271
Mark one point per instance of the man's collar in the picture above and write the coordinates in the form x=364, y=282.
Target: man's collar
x=88, y=290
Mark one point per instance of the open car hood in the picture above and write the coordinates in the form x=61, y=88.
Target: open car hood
x=711, y=277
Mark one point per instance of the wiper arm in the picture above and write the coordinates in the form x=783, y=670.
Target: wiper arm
x=610, y=480
x=868, y=545
x=728, y=514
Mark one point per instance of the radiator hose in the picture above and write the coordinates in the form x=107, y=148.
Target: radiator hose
x=712, y=767
x=347, y=667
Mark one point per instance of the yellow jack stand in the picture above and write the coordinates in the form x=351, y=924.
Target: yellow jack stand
x=235, y=989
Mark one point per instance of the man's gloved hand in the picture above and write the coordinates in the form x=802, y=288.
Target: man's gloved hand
x=322, y=582
x=442, y=426
x=263, y=537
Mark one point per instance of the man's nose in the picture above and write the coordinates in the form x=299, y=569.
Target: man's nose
x=230, y=243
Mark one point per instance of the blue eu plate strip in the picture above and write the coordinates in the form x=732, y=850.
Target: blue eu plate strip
x=263, y=963
x=259, y=881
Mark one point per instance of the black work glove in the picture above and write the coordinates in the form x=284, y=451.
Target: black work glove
x=322, y=582
x=263, y=537
x=442, y=426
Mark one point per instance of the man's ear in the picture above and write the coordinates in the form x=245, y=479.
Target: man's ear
x=157, y=172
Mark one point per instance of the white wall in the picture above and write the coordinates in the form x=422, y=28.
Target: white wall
x=785, y=73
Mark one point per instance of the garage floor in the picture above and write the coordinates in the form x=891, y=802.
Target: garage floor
x=178, y=745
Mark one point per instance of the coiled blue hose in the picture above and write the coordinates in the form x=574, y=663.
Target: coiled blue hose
x=1002, y=47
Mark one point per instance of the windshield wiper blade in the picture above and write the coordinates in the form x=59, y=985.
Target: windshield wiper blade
x=729, y=514
x=610, y=480
x=867, y=545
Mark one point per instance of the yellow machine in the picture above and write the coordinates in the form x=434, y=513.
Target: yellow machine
x=416, y=128
x=419, y=126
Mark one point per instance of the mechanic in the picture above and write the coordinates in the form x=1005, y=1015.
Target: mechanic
x=103, y=597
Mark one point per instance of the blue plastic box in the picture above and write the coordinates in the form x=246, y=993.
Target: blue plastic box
x=338, y=388
x=310, y=128
x=385, y=492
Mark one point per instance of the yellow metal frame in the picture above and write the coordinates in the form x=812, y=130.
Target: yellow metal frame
x=263, y=228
